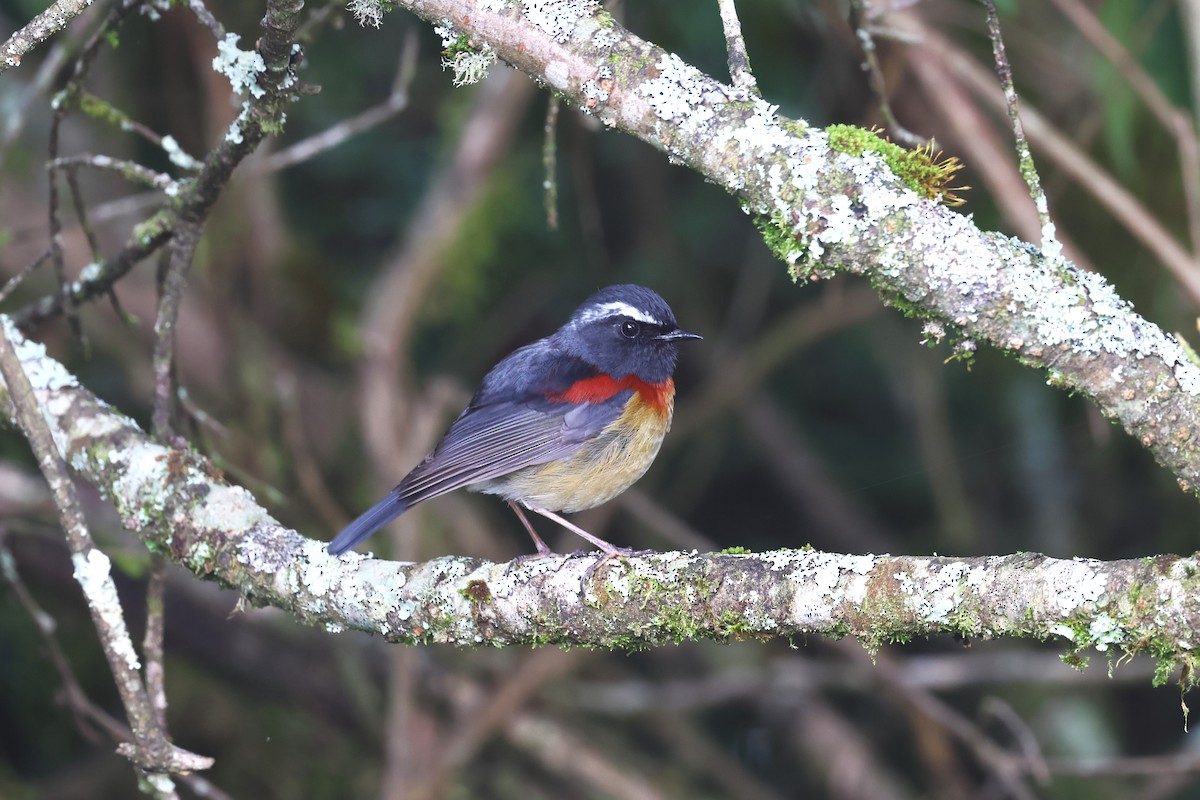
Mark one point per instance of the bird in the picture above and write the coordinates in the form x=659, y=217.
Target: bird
x=560, y=425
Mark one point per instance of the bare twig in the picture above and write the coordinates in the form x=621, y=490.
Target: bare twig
x=128, y=169
x=39, y=29
x=174, y=280
x=1029, y=171
x=308, y=473
x=492, y=713
x=735, y=44
x=152, y=641
x=15, y=280
x=206, y=18
x=550, y=163
x=863, y=30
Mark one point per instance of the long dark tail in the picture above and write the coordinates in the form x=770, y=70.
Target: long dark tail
x=372, y=520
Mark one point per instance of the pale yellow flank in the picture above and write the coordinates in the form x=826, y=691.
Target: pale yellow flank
x=601, y=470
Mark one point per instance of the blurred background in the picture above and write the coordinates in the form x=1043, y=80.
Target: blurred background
x=351, y=289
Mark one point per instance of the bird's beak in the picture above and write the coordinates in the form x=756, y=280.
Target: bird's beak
x=677, y=335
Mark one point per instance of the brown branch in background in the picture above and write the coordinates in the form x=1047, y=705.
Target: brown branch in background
x=152, y=641
x=1190, y=10
x=1024, y=156
x=174, y=280
x=1175, y=120
x=488, y=712
x=151, y=750
x=735, y=45
x=561, y=751
x=550, y=162
x=81, y=215
x=39, y=29
x=1008, y=768
x=308, y=472
x=862, y=21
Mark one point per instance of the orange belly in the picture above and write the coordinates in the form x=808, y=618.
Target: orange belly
x=601, y=469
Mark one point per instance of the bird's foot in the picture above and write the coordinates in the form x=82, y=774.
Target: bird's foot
x=611, y=552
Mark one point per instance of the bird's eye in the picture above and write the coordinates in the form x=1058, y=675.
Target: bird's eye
x=630, y=329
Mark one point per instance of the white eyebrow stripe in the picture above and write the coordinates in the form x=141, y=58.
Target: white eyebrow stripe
x=617, y=307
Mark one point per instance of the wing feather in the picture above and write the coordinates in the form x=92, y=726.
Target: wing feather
x=493, y=440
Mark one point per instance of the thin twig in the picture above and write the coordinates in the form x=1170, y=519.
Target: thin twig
x=862, y=29
x=131, y=170
x=550, y=163
x=15, y=280
x=206, y=18
x=735, y=43
x=152, y=642
x=1050, y=245
x=179, y=257
x=151, y=750
x=335, y=135
x=81, y=212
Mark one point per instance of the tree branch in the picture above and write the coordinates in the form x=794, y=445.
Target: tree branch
x=39, y=29
x=180, y=507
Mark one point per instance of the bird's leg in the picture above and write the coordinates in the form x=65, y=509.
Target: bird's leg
x=542, y=549
x=609, y=549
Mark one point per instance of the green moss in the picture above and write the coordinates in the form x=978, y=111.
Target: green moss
x=460, y=45
x=921, y=170
x=96, y=108
x=477, y=591
x=780, y=237
x=736, y=550
x=794, y=126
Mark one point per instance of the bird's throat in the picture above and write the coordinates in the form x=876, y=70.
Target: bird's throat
x=599, y=388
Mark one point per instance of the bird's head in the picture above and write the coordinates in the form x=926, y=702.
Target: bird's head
x=625, y=330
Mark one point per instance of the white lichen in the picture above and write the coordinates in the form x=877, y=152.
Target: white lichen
x=242, y=67
x=470, y=66
x=93, y=572
x=558, y=18
x=177, y=155
x=367, y=12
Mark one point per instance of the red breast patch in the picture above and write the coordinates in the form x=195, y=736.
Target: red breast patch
x=601, y=387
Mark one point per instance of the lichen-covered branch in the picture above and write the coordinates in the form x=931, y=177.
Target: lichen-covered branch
x=846, y=201
x=39, y=29
x=151, y=750
x=182, y=508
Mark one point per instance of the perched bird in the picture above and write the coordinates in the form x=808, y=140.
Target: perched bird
x=563, y=424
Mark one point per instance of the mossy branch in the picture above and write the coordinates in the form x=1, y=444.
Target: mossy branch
x=181, y=507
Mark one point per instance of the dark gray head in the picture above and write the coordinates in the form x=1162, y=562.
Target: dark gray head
x=625, y=330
